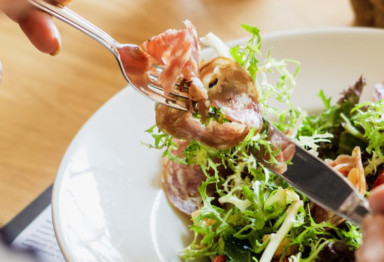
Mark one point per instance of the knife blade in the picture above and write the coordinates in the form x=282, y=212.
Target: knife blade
x=321, y=183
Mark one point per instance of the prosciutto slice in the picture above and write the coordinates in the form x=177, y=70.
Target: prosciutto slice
x=221, y=83
x=217, y=84
x=172, y=56
x=177, y=52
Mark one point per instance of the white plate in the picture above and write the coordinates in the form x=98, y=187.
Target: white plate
x=108, y=204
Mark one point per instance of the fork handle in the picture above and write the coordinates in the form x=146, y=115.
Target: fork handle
x=68, y=16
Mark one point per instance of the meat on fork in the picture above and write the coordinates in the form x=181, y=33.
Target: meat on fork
x=231, y=90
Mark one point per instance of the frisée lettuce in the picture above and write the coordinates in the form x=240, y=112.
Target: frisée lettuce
x=247, y=212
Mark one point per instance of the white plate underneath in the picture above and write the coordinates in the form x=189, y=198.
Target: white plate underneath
x=107, y=202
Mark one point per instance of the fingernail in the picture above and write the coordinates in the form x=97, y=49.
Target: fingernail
x=57, y=37
x=56, y=52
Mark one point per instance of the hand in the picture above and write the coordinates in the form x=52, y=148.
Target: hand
x=373, y=229
x=37, y=25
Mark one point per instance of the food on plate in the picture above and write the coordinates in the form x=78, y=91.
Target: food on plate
x=228, y=87
x=219, y=156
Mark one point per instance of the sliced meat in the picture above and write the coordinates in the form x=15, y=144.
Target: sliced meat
x=229, y=88
x=177, y=51
x=183, y=125
x=181, y=184
x=233, y=90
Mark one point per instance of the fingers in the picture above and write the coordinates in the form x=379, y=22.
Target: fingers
x=376, y=199
x=373, y=240
x=37, y=25
x=41, y=31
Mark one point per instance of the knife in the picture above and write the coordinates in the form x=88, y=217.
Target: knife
x=321, y=183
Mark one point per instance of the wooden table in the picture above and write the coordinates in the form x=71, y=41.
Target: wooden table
x=45, y=100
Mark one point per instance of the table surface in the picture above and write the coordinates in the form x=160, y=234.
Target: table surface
x=45, y=100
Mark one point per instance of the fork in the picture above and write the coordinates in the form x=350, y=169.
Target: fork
x=127, y=55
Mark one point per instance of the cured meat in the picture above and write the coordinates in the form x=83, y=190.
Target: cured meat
x=183, y=125
x=233, y=90
x=177, y=51
x=223, y=84
x=172, y=55
x=229, y=88
x=181, y=182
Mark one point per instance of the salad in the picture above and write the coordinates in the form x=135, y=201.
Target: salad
x=219, y=157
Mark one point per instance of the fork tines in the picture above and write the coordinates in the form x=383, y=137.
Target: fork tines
x=177, y=98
